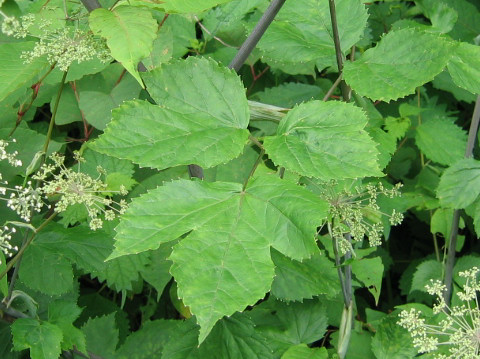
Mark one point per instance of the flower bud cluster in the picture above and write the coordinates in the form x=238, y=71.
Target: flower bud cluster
x=71, y=187
x=63, y=187
x=61, y=46
x=358, y=214
x=457, y=327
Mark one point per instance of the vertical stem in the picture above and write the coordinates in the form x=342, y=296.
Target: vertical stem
x=338, y=50
x=419, y=117
x=472, y=137
x=54, y=113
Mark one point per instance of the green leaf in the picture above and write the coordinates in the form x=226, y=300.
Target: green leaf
x=427, y=270
x=231, y=234
x=156, y=272
x=102, y=336
x=302, y=351
x=290, y=94
x=467, y=26
x=204, y=116
x=42, y=338
x=287, y=324
x=6, y=343
x=444, y=81
x=14, y=73
x=369, y=271
x=189, y=6
x=460, y=184
x=464, y=67
x=325, y=140
x=441, y=222
x=401, y=61
x=129, y=31
x=63, y=314
x=68, y=110
x=56, y=274
x=295, y=281
x=148, y=341
x=432, y=135
x=392, y=341
x=244, y=341
x=302, y=33
x=397, y=127
x=97, y=106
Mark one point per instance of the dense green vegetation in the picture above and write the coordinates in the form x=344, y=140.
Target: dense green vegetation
x=163, y=198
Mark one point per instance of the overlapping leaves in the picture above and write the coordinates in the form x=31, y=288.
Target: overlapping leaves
x=230, y=234
x=201, y=118
x=302, y=32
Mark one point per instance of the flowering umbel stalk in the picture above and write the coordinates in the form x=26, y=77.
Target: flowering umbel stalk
x=458, y=327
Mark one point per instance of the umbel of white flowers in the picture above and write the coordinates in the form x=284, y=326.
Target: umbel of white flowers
x=457, y=327
x=62, y=186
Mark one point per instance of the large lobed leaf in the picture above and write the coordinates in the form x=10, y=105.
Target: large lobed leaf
x=230, y=234
x=325, y=140
x=202, y=118
x=129, y=31
x=401, y=61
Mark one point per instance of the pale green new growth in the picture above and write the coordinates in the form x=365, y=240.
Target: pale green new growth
x=459, y=327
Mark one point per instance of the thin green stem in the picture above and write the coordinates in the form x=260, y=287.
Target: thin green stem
x=338, y=50
x=332, y=88
x=254, y=168
x=452, y=243
x=23, y=110
x=19, y=254
x=54, y=113
x=256, y=142
x=419, y=118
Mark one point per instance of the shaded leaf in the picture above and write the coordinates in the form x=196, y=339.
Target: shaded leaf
x=464, y=67
x=392, y=341
x=42, y=338
x=14, y=72
x=295, y=281
x=56, y=274
x=102, y=336
x=432, y=135
x=460, y=184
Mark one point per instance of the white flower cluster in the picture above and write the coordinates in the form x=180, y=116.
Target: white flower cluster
x=70, y=187
x=65, y=187
x=358, y=213
x=5, y=237
x=10, y=157
x=458, y=327
x=61, y=46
